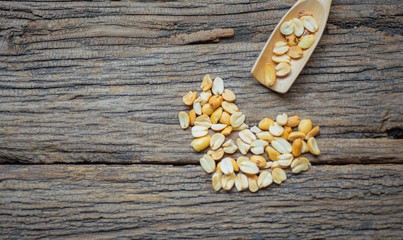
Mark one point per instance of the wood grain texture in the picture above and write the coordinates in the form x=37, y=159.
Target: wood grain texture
x=102, y=82
x=145, y=201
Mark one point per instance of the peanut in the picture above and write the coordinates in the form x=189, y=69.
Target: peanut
x=305, y=126
x=228, y=181
x=280, y=59
x=291, y=40
x=228, y=95
x=297, y=147
x=287, y=28
x=226, y=131
x=265, y=123
x=189, y=98
x=310, y=23
x=313, y=146
x=276, y=130
x=266, y=136
x=207, y=163
x=207, y=109
x=216, y=181
x=312, y=133
x=269, y=75
x=293, y=121
x=199, y=131
x=216, y=141
x=243, y=147
x=192, y=117
x=247, y=136
x=237, y=119
x=278, y=175
x=300, y=164
x=199, y=144
x=203, y=120
x=248, y=167
x=207, y=83
x=280, y=48
x=282, y=69
x=295, y=52
x=230, y=147
x=286, y=133
x=225, y=118
x=216, y=115
x=295, y=135
x=215, y=101
x=252, y=182
x=306, y=41
x=226, y=166
x=265, y=179
x=272, y=153
x=298, y=27
x=241, y=182
x=229, y=107
x=184, y=120
x=260, y=161
x=218, y=86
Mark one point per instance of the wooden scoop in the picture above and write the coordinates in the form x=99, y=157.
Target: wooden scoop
x=320, y=11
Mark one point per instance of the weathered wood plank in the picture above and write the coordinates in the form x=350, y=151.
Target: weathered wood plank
x=102, y=82
x=146, y=201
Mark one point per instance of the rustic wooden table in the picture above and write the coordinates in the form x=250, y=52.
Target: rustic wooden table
x=90, y=145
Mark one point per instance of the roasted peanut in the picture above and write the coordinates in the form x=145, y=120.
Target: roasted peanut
x=192, y=117
x=226, y=131
x=280, y=48
x=215, y=101
x=313, y=146
x=229, y=107
x=265, y=179
x=265, y=124
x=305, y=126
x=295, y=135
x=276, y=130
x=199, y=144
x=291, y=40
x=295, y=52
x=278, y=175
x=272, y=153
x=184, y=120
x=300, y=164
x=297, y=147
x=306, y=41
x=225, y=118
x=287, y=28
x=237, y=119
x=216, y=115
x=293, y=121
x=260, y=161
x=207, y=163
x=269, y=74
x=312, y=133
x=207, y=109
x=280, y=59
x=218, y=86
x=228, y=95
x=282, y=69
x=310, y=23
x=216, y=141
x=189, y=98
x=298, y=27
x=207, y=83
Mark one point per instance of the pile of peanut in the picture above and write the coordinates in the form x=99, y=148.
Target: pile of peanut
x=298, y=34
x=282, y=140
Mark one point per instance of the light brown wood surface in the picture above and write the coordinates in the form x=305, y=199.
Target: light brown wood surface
x=83, y=84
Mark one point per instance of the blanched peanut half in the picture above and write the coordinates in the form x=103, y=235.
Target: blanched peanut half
x=276, y=130
x=298, y=27
x=312, y=133
x=269, y=74
x=216, y=154
x=241, y=182
x=204, y=97
x=216, y=141
x=265, y=179
x=280, y=59
x=292, y=40
x=297, y=147
x=293, y=121
x=295, y=135
x=218, y=86
x=248, y=167
x=215, y=101
x=310, y=23
x=295, y=52
x=281, y=145
x=218, y=127
x=306, y=42
x=313, y=146
x=242, y=127
x=300, y=164
x=287, y=28
x=280, y=48
x=260, y=161
x=206, y=84
x=203, y=120
x=252, y=182
x=229, y=107
x=192, y=117
x=255, y=129
x=226, y=131
x=287, y=131
x=284, y=160
x=183, y=120
x=199, y=131
x=226, y=166
x=304, y=148
x=258, y=146
x=266, y=136
x=216, y=181
x=218, y=168
x=282, y=69
x=228, y=181
x=230, y=147
x=237, y=119
x=241, y=159
x=216, y=115
x=305, y=126
x=247, y=136
x=228, y=95
x=265, y=123
x=197, y=107
x=207, y=163
x=207, y=109
x=199, y=144
x=243, y=147
x=225, y=118
x=278, y=175
x=282, y=119
x=189, y=98
x=272, y=153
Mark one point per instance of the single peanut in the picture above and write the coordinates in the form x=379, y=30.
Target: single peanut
x=313, y=146
x=297, y=147
x=312, y=133
x=305, y=126
x=207, y=83
x=189, y=98
x=184, y=120
x=298, y=26
x=278, y=175
x=225, y=118
x=287, y=28
x=265, y=123
x=306, y=42
x=218, y=86
x=228, y=95
x=295, y=52
x=280, y=48
x=199, y=144
x=280, y=59
x=272, y=153
x=192, y=117
x=216, y=115
x=260, y=161
x=293, y=121
x=269, y=75
x=226, y=131
x=229, y=107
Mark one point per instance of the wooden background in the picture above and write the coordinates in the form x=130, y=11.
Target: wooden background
x=90, y=146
